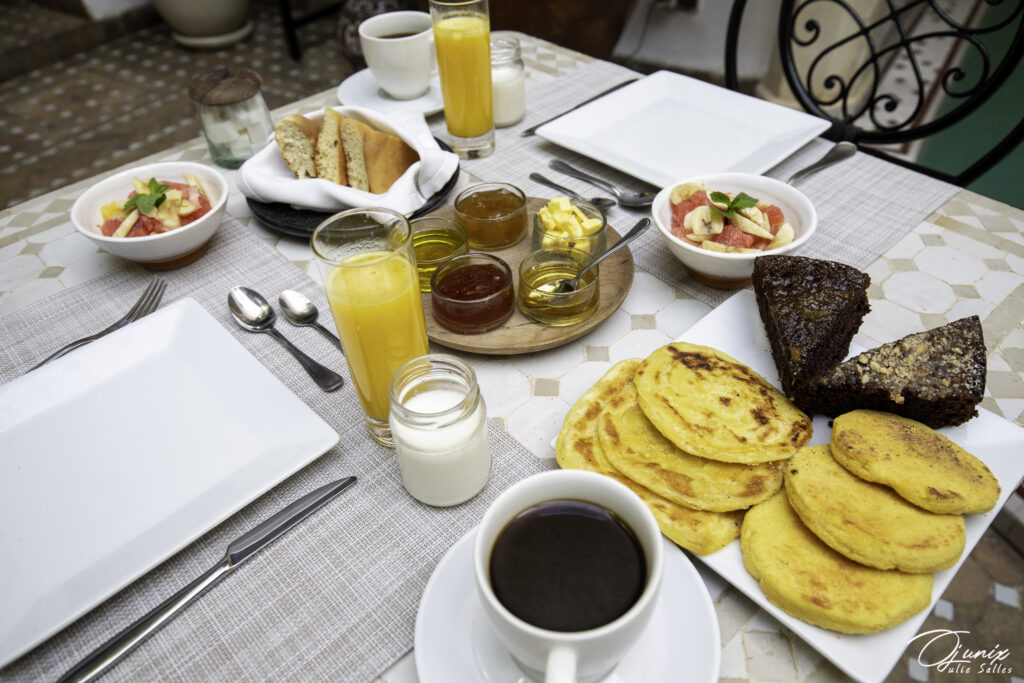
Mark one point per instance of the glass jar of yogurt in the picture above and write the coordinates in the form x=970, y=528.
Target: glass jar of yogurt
x=439, y=424
x=235, y=118
x=508, y=82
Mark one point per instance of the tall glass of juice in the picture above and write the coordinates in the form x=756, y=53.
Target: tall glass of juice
x=368, y=267
x=462, y=40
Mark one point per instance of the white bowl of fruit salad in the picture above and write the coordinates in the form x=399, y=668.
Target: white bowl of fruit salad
x=717, y=224
x=161, y=215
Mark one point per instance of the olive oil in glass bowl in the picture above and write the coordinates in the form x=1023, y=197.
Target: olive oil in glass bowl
x=539, y=274
x=435, y=240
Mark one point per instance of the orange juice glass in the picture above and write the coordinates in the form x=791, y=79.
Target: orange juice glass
x=368, y=268
x=462, y=40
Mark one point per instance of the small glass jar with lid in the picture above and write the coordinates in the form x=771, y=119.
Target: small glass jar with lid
x=235, y=118
x=439, y=424
x=508, y=82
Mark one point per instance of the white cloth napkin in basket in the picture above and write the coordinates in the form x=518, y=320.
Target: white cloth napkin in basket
x=266, y=178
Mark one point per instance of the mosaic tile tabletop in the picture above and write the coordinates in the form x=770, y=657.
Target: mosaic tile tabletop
x=966, y=258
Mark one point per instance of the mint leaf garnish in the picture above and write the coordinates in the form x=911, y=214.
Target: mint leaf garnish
x=147, y=202
x=740, y=201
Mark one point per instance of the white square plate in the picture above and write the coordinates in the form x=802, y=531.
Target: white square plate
x=668, y=126
x=735, y=327
x=119, y=454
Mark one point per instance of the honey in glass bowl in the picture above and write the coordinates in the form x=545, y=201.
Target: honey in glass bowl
x=492, y=214
x=538, y=274
x=472, y=293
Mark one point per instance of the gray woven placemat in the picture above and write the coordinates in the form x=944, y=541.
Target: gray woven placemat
x=865, y=205
x=336, y=598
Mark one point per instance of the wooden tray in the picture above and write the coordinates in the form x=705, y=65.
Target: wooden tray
x=520, y=334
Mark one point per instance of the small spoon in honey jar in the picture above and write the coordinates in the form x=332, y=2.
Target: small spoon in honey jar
x=564, y=286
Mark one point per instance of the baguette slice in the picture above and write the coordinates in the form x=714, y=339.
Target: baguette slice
x=352, y=135
x=296, y=138
x=330, y=153
x=387, y=158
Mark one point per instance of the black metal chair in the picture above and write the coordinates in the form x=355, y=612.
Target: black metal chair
x=858, y=103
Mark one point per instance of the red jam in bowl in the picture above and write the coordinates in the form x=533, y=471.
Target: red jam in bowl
x=472, y=293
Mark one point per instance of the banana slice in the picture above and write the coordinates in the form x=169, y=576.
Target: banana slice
x=681, y=192
x=750, y=227
x=126, y=224
x=783, y=237
x=717, y=246
x=703, y=221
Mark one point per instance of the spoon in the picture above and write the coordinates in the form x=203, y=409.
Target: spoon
x=252, y=312
x=624, y=197
x=299, y=310
x=565, y=286
x=599, y=202
x=842, y=150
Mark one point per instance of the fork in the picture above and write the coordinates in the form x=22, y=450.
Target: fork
x=624, y=197
x=146, y=304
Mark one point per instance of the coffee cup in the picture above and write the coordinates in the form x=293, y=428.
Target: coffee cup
x=399, y=49
x=568, y=622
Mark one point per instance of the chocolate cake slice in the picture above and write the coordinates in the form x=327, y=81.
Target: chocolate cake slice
x=936, y=377
x=810, y=309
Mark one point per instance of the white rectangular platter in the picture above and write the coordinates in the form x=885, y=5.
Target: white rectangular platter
x=735, y=327
x=119, y=454
x=666, y=127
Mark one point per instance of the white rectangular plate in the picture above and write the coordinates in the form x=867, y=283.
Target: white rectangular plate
x=119, y=454
x=735, y=327
x=667, y=127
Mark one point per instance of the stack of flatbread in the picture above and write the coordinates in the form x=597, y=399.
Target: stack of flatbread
x=844, y=536
x=343, y=150
x=695, y=433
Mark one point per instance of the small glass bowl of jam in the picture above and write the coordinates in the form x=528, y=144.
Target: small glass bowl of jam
x=472, y=293
x=435, y=240
x=492, y=214
x=593, y=242
x=538, y=274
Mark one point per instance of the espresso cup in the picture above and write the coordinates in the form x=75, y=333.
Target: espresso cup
x=399, y=49
x=552, y=653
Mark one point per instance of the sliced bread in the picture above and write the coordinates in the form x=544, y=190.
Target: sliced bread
x=330, y=153
x=387, y=158
x=352, y=135
x=296, y=138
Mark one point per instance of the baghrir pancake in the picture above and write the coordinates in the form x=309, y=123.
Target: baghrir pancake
x=711, y=405
x=811, y=581
x=578, y=447
x=638, y=450
x=913, y=459
x=866, y=522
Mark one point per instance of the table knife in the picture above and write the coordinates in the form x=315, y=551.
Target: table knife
x=533, y=129
x=238, y=551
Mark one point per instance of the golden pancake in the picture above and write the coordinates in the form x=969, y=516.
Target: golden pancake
x=920, y=464
x=639, y=451
x=577, y=447
x=866, y=522
x=810, y=581
x=711, y=405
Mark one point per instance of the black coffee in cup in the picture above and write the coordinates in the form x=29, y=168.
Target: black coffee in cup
x=567, y=565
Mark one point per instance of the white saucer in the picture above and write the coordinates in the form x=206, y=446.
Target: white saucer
x=361, y=90
x=455, y=643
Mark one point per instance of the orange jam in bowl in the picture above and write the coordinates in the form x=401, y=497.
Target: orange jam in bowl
x=472, y=293
x=492, y=214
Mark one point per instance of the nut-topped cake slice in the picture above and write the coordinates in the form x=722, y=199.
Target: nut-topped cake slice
x=936, y=377
x=810, y=309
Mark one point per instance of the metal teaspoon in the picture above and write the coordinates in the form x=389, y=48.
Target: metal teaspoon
x=299, y=310
x=599, y=202
x=252, y=312
x=564, y=286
